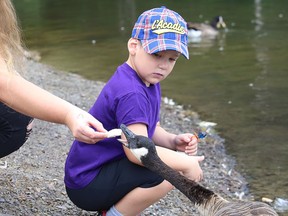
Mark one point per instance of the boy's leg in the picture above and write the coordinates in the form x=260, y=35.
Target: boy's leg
x=120, y=182
x=141, y=198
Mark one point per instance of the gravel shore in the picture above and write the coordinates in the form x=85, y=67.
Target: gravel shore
x=32, y=183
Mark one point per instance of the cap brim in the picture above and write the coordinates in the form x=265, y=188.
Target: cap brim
x=157, y=45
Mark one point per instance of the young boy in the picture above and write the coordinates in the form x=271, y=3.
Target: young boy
x=106, y=176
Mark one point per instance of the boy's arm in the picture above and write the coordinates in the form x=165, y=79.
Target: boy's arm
x=163, y=138
x=185, y=142
x=188, y=165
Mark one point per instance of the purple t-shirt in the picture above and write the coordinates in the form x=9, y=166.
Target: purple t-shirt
x=125, y=99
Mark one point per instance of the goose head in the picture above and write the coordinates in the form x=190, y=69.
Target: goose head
x=218, y=23
x=139, y=145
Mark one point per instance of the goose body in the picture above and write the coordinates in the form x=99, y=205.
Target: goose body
x=206, y=201
x=206, y=30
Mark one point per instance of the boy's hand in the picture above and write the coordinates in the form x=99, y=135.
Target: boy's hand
x=194, y=171
x=187, y=143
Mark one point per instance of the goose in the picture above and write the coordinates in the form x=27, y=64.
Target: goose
x=205, y=30
x=206, y=201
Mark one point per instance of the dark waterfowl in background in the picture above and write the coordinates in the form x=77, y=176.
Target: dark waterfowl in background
x=206, y=30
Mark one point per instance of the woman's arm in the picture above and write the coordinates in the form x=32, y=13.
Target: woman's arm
x=31, y=100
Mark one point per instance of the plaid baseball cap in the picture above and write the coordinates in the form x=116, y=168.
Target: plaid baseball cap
x=161, y=29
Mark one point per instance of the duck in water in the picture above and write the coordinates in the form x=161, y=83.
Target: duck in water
x=206, y=30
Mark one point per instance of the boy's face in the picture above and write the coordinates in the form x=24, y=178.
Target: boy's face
x=153, y=68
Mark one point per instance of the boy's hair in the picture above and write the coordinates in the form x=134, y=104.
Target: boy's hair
x=161, y=29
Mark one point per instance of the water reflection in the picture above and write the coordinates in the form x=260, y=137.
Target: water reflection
x=202, y=45
x=262, y=103
x=260, y=84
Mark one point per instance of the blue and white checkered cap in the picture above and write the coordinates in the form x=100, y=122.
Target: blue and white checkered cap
x=161, y=29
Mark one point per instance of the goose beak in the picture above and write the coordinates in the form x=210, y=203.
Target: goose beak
x=221, y=23
x=124, y=142
x=128, y=134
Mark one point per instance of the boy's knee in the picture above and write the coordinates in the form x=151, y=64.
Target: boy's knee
x=166, y=186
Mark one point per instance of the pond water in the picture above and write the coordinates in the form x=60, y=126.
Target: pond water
x=238, y=80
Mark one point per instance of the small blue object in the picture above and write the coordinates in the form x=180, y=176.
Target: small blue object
x=202, y=135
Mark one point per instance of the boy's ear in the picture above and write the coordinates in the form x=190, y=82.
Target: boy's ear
x=132, y=45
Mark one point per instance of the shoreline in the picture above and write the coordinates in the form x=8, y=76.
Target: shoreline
x=32, y=183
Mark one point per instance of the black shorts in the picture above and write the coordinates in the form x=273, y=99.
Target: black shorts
x=114, y=181
x=13, y=130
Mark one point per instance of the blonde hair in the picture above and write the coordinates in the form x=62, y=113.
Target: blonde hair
x=11, y=49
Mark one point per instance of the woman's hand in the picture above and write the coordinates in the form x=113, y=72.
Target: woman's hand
x=187, y=143
x=84, y=126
